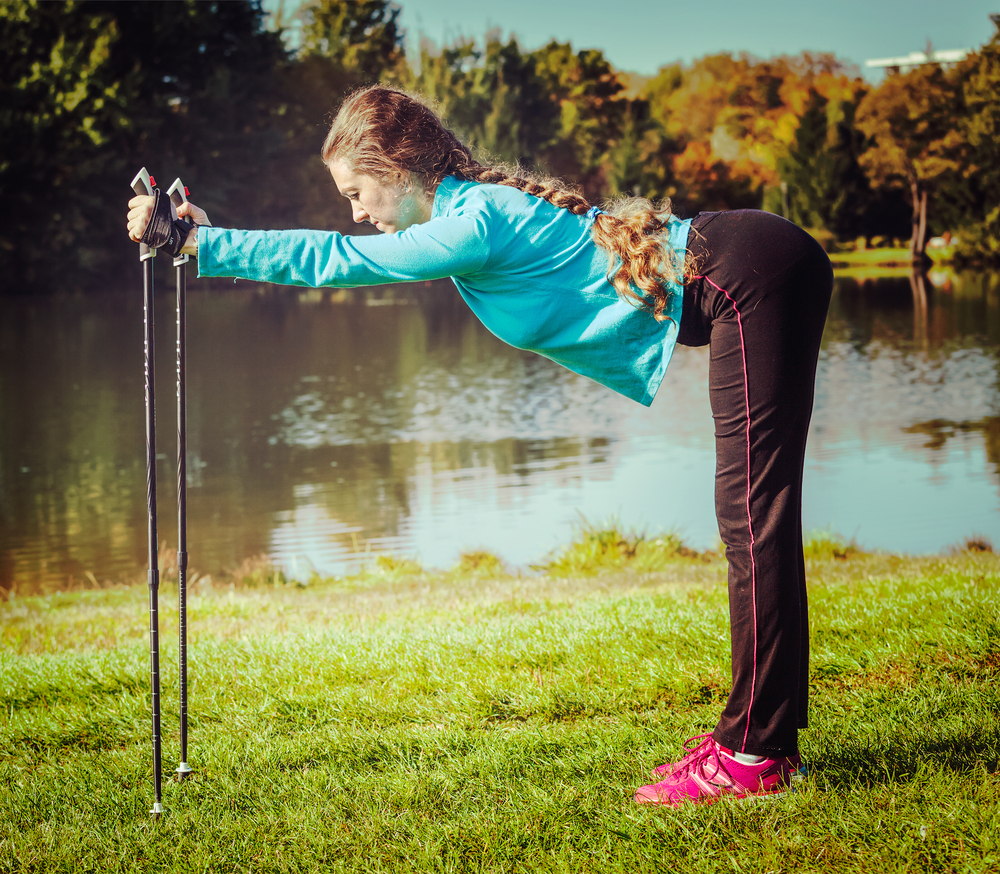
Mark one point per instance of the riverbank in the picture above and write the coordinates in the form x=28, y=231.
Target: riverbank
x=402, y=720
x=871, y=263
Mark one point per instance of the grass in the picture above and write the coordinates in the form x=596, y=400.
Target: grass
x=871, y=257
x=871, y=263
x=470, y=720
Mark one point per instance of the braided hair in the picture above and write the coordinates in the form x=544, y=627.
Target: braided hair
x=385, y=133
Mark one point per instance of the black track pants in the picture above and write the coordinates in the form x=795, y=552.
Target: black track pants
x=760, y=302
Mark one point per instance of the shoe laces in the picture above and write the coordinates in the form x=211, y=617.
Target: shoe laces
x=692, y=750
x=704, y=761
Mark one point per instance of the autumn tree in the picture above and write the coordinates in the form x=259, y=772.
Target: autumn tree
x=730, y=119
x=915, y=141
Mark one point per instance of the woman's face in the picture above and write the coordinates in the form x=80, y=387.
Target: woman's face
x=390, y=204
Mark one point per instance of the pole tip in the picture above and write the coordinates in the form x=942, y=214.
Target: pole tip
x=157, y=809
x=183, y=770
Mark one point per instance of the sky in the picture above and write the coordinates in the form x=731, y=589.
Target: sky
x=640, y=36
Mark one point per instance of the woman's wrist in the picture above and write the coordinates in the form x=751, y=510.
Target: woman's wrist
x=190, y=246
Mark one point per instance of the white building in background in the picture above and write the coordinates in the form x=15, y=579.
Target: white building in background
x=915, y=59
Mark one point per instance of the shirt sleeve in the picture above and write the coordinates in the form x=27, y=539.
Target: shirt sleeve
x=447, y=246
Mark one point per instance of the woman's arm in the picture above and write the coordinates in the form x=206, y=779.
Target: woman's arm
x=442, y=247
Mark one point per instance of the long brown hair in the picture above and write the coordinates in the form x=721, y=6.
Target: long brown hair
x=385, y=132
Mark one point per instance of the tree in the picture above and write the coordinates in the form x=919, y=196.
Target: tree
x=978, y=220
x=587, y=93
x=821, y=171
x=552, y=109
x=911, y=120
x=343, y=44
x=640, y=162
x=493, y=97
x=91, y=90
x=358, y=35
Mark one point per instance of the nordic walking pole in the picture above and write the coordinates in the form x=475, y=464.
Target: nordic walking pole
x=178, y=195
x=143, y=184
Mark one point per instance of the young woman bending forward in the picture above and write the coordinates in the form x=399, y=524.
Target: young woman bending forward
x=607, y=294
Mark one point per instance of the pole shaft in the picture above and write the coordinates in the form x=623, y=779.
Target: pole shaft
x=154, y=573
x=182, y=556
x=178, y=197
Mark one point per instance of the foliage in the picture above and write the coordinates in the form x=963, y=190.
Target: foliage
x=358, y=35
x=587, y=90
x=257, y=571
x=552, y=108
x=395, y=568
x=92, y=89
x=977, y=543
x=494, y=98
x=823, y=182
x=641, y=161
x=915, y=141
x=979, y=226
x=344, y=44
x=911, y=120
x=731, y=120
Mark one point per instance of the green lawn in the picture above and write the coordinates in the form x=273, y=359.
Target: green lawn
x=473, y=721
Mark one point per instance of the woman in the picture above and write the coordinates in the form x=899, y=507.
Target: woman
x=608, y=295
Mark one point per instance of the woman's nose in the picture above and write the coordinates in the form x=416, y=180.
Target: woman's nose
x=359, y=214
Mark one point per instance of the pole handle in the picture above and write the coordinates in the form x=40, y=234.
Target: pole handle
x=177, y=192
x=178, y=195
x=143, y=185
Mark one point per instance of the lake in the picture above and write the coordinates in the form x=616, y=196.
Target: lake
x=324, y=426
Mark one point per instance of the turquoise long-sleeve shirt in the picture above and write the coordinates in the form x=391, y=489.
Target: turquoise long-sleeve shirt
x=530, y=271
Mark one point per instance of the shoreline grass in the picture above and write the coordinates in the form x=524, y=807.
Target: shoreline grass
x=871, y=257
x=871, y=263
x=473, y=720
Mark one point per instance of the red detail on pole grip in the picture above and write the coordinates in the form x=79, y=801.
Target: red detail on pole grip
x=152, y=181
x=186, y=192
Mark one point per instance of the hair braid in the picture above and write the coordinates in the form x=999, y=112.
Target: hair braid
x=543, y=188
x=386, y=132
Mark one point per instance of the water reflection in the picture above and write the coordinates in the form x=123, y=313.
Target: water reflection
x=323, y=425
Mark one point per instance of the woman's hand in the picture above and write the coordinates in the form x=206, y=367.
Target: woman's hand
x=139, y=211
x=193, y=213
x=196, y=214
x=140, y=208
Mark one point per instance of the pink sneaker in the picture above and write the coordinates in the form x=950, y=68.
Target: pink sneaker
x=709, y=772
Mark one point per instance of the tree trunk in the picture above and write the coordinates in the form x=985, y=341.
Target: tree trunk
x=921, y=246
x=914, y=219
